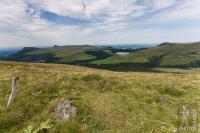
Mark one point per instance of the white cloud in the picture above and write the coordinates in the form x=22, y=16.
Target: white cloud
x=159, y=4
x=90, y=9
x=187, y=10
x=113, y=21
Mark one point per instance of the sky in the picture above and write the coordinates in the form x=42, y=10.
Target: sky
x=75, y=22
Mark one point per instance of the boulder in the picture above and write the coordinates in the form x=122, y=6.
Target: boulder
x=65, y=110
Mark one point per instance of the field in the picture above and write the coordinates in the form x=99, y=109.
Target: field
x=107, y=101
x=165, y=55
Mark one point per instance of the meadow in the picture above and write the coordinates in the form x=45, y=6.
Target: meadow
x=107, y=101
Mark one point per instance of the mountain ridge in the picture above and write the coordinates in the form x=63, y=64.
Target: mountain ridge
x=167, y=54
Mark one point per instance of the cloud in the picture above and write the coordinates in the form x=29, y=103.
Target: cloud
x=45, y=22
x=97, y=10
x=160, y=4
x=187, y=10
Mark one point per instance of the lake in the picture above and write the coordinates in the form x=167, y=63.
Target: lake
x=123, y=53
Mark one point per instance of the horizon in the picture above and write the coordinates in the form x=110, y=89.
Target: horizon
x=114, y=44
x=40, y=23
x=46, y=46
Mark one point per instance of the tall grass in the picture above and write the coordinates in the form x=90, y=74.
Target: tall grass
x=106, y=101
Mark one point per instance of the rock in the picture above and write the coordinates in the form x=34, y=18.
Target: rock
x=65, y=110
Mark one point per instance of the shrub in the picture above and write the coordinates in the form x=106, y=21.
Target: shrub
x=42, y=128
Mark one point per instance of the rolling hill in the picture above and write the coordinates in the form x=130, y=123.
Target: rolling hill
x=57, y=54
x=164, y=55
x=107, y=101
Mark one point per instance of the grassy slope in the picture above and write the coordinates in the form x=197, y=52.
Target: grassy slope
x=61, y=54
x=169, y=55
x=175, y=54
x=68, y=53
x=106, y=100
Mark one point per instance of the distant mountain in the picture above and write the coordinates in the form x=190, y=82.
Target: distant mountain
x=129, y=46
x=7, y=52
x=164, y=55
x=166, y=43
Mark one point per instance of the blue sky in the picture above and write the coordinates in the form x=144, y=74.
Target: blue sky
x=63, y=22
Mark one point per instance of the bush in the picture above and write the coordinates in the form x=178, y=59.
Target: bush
x=42, y=128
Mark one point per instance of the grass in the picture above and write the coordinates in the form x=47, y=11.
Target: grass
x=107, y=101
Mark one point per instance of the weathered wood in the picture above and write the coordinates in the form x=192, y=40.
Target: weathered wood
x=14, y=90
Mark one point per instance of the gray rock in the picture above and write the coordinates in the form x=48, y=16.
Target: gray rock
x=66, y=110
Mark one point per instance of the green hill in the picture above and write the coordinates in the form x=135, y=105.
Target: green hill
x=61, y=54
x=107, y=101
x=164, y=55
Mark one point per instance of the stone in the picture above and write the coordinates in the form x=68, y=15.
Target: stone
x=65, y=110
